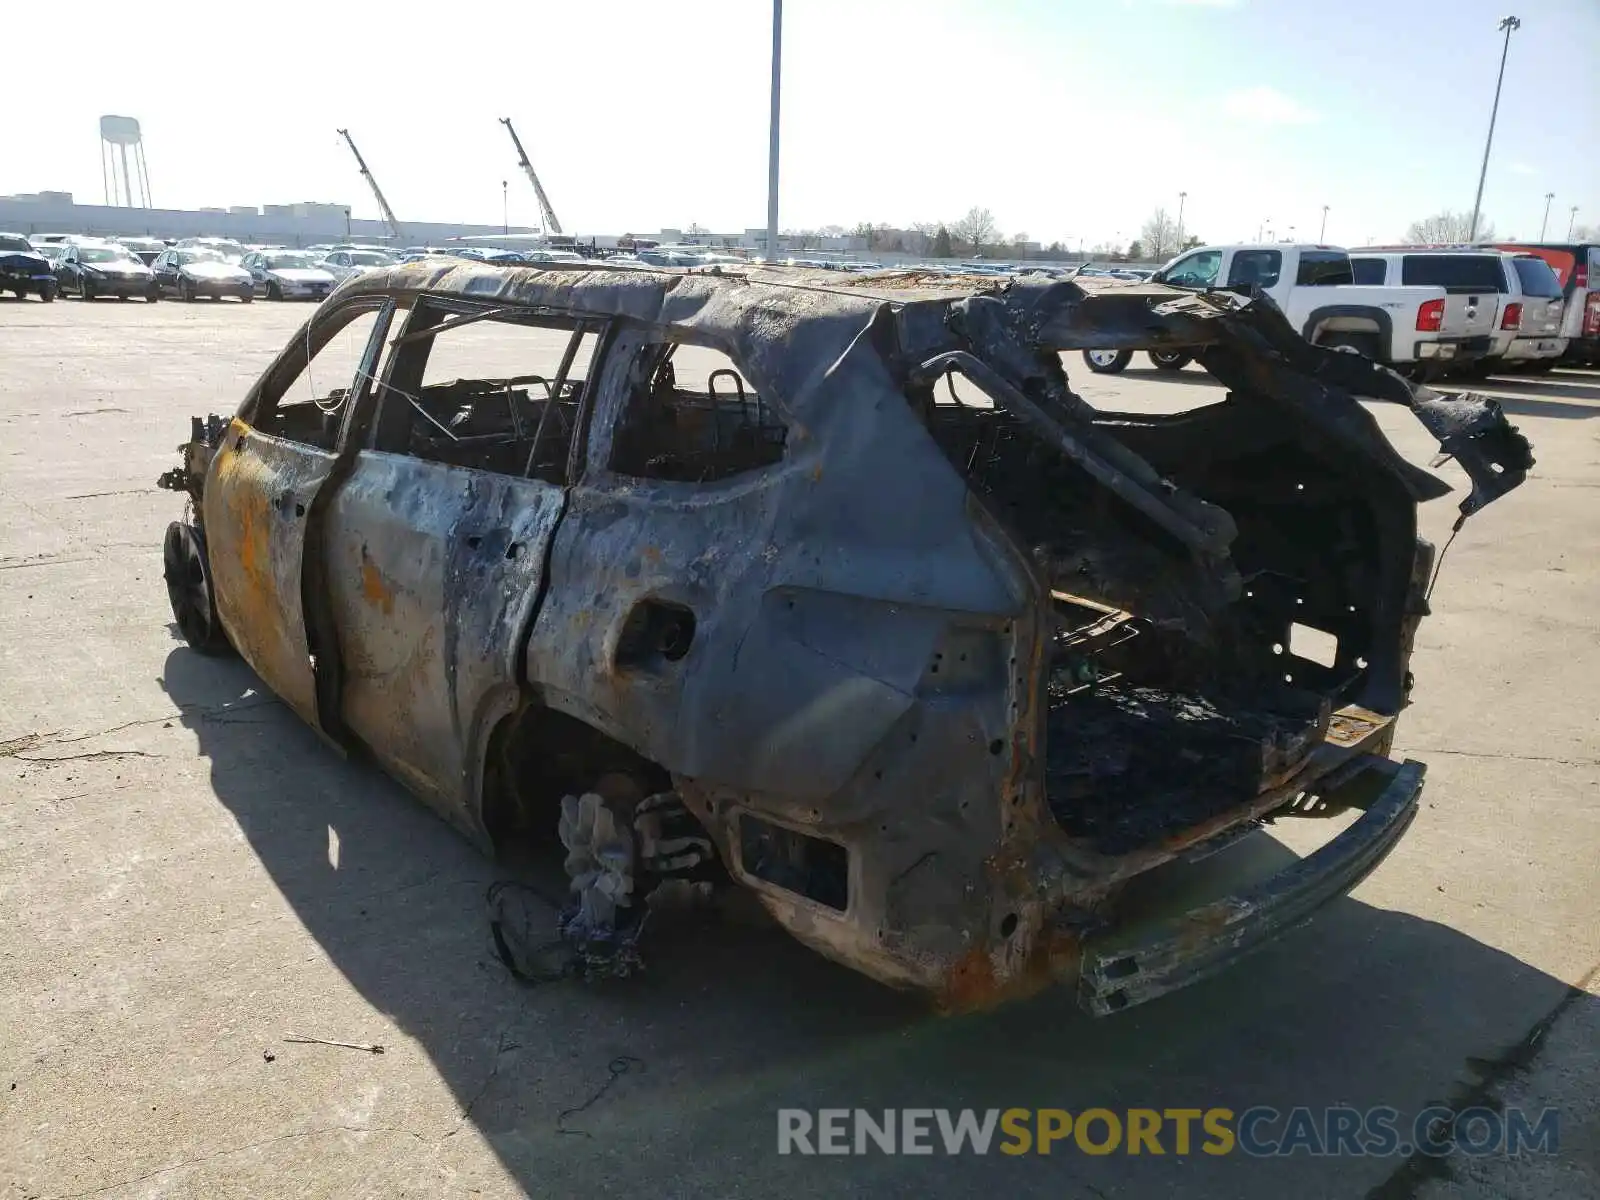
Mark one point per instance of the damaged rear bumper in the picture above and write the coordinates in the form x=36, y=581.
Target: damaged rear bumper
x=1129, y=969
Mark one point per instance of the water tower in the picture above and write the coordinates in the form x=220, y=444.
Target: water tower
x=116, y=135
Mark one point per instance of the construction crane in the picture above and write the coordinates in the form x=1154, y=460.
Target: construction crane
x=551, y=225
x=383, y=205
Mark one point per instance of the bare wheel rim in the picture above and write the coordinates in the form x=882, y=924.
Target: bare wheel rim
x=1102, y=358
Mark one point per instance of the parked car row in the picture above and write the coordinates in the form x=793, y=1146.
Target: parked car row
x=1425, y=311
x=48, y=265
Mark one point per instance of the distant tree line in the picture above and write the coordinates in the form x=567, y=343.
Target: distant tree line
x=977, y=234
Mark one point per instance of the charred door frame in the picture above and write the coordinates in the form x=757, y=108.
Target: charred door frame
x=483, y=671
x=302, y=658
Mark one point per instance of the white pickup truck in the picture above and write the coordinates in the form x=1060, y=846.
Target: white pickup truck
x=1416, y=329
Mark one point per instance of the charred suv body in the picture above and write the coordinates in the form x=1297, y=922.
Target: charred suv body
x=937, y=657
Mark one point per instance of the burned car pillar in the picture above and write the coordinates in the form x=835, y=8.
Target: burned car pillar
x=842, y=579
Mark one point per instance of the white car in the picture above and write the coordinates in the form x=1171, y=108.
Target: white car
x=1411, y=327
x=1531, y=314
x=1520, y=293
x=230, y=250
x=288, y=275
x=341, y=264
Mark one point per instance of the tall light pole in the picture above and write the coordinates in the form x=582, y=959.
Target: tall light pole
x=1509, y=24
x=772, y=143
x=1548, y=196
x=1572, y=219
x=1322, y=231
x=1182, y=196
x=505, y=209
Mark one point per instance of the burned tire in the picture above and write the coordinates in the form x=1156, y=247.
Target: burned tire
x=1169, y=360
x=1107, y=362
x=188, y=575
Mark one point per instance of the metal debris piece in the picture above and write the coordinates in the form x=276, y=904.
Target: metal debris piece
x=369, y=1047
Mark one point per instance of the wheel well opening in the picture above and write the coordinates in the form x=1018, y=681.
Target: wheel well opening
x=538, y=755
x=1344, y=324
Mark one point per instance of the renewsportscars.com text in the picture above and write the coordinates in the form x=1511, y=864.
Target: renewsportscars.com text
x=1258, y=1132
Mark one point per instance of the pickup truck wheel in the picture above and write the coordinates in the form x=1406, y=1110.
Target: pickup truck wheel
x=1107, y=362
x=1169, y=360
x=188, y=576
x=47, y=293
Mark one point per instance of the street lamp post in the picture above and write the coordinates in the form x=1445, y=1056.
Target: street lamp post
x=1182, y=196
x=1322, y=231
x=1509, y=24
x=505, y=209
x=1572, y=219
x=1548, y=196
x=772, y=142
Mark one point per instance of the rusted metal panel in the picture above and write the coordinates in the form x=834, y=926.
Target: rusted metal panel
x=433, y=573
x=257, y=493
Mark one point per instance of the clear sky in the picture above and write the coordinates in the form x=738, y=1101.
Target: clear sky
x=1068, y=118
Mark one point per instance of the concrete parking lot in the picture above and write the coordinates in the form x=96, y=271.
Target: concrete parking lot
x=188, y=876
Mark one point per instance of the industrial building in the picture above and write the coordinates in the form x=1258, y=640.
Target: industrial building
x=303, y=224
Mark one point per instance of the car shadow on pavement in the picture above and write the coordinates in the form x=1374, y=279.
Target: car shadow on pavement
x=670, y=1083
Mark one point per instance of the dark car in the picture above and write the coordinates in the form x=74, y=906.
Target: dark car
x=190, y=272
x=91, y=269
x=24, y=270
x=146, y=248
x=712, y=578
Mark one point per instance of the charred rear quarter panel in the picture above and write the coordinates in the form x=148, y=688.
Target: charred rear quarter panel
x=862, y=667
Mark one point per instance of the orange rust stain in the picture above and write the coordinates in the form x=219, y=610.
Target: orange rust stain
x=973, y=986
x=970, y=984
x=376, y=588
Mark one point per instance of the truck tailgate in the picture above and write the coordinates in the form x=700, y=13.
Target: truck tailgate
x=1469, y=314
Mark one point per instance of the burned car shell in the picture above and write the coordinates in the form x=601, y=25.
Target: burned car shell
x=872, y=680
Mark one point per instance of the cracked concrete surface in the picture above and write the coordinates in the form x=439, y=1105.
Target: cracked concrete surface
x=187, y=874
